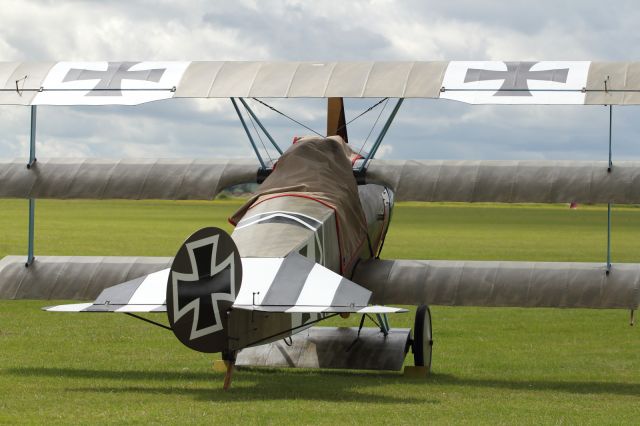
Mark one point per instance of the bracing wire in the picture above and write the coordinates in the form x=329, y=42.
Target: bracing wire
x=290, y=118
x=375, y=123
x=253, y=124
x=372, y=107
x=362, y=113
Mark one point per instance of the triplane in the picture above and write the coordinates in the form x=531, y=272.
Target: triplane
x=307, y=245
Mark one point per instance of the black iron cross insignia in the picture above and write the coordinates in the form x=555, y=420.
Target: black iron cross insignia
x=211, y=280
x=516, y=77
x=110, y=83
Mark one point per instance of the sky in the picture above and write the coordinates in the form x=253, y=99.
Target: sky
x=382, y=30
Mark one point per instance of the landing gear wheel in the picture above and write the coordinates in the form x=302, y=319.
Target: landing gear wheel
x=422, y=338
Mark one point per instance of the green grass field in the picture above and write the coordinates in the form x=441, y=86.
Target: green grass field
x=492, y=366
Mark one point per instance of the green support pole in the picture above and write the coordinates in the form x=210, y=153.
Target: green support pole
x=384, y=324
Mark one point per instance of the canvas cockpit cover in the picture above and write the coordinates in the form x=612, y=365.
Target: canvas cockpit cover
x=319, y=169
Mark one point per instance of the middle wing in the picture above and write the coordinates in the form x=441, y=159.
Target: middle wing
x=136, y=179
x=509, y=181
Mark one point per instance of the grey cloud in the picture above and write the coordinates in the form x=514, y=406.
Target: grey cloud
x=505, y=132
x=358, y=30
x=297, y=35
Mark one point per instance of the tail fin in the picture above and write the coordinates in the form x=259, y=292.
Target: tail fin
x=203, y=282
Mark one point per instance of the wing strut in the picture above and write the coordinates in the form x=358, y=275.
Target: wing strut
x=381, y=136
x=32, y=201
x=252, y=114
x=609, y=204
x=246, y=130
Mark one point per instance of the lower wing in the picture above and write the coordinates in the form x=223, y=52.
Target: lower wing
x=501, y=284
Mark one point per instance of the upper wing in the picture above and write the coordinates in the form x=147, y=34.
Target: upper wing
x=518, y=284
x=479, y=82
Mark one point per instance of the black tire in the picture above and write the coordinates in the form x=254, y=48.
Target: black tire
x=422, y=338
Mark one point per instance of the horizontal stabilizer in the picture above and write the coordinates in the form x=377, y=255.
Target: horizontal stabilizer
x=144, y=294
x=74, y=307
x=295, y=284
x=374, y=309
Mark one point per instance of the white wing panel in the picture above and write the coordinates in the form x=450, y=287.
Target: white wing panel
x=497, y=82
x=110, y=83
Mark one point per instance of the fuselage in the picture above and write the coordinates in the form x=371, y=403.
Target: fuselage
x=295, y=223
x=335, y=223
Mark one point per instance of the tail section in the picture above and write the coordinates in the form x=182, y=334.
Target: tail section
x=204, y=280
x=217, y=302
x=296, y=284
x=143, y=294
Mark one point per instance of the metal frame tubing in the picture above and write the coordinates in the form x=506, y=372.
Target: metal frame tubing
x=32, y=201
x=273, y=142
x=609, y=205
x=382, y=134
x=246, y=130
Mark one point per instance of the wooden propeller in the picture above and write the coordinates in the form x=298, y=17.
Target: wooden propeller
x=336, y=123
